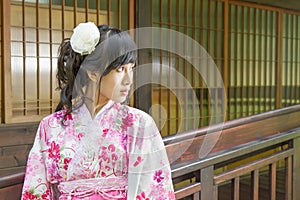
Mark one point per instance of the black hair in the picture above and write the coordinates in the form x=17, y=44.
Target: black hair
x=107, y=56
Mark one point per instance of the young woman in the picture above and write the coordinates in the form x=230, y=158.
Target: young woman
x=93, y=146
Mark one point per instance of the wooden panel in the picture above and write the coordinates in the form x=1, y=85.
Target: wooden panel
x=17, y=135
x=15, y=143
x=11, y=193
x=14, y=156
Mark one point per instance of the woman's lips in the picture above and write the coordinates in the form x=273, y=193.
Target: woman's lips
x=124, y=92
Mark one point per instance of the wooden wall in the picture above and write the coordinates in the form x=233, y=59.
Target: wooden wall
x=15, y=143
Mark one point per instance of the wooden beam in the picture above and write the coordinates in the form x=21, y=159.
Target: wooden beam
x=287, y=4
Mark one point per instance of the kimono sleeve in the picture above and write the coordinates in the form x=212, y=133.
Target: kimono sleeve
x=35, y=183
x=149, y=173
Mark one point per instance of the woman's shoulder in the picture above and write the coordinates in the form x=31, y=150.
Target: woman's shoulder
x=139, y=114
x=56, y=117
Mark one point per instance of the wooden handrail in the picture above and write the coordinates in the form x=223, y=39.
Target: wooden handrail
x=230, y=124
x=186, y=146
x=219, y=157
x=12, y=179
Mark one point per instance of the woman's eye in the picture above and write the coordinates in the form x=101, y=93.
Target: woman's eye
x=132, y=68
x=120, y=69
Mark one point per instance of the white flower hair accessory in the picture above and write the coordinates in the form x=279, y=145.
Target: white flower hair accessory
x=85, y=38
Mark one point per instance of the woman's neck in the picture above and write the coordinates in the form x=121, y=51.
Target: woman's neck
x=94, y=100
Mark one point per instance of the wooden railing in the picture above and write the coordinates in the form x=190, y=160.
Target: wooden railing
x=256, y=157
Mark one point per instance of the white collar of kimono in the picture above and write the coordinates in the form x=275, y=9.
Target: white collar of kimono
x=83, y=110
x=105, y=107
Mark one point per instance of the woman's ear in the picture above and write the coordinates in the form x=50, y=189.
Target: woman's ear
x=93, y=76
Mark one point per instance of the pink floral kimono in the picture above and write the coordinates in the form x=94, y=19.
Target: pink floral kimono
x=117, y=155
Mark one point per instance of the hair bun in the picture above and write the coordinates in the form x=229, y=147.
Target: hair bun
x=104, y=28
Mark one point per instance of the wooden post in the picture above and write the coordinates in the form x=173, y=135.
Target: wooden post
x=143, y=95
x=278, y=80
x=225, y=50
x=207, y=183
x=131, y=14
x=6, y=63
x=296, y=168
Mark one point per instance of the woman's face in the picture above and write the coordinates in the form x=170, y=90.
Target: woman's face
x=116, y=84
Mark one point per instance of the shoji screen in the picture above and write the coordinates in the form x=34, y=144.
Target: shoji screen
x=37, y=28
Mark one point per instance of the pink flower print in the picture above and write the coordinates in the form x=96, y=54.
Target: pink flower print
x=105, y=158
x=114, y=157
x=104, y=132
x=138, y=161
x=80, y=135
x=66, y=163
x=142, y=196
x=159, y=191
x=58, y=115
x=54, y=151
x=158, y=176
x=103, y=174
x=29, y=196
x=53, y=170
x=46, y=195
x=127, y=121
x=111, y=148
x=61, y=114
x=68, y=117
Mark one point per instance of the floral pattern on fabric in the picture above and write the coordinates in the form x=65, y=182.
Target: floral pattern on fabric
x=119, y=142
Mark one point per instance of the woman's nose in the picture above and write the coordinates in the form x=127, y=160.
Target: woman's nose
x=127, y=79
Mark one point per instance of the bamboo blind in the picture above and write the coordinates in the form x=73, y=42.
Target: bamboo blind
x=37, y=28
